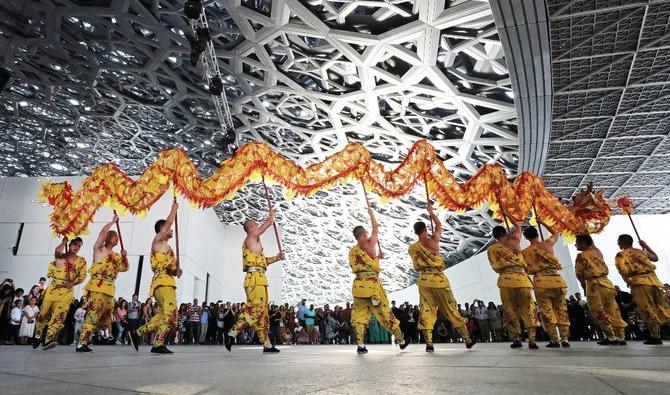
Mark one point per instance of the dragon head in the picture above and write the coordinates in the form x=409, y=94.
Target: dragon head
x=592, y=208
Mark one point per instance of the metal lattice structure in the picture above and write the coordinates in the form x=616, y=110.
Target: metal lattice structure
x=611, y=113
x=113, y=81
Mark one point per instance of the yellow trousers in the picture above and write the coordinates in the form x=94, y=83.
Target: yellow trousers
x=518, y=306
x=98, y=315
x=603, y=306
x=430, y=299
x=255, y=313
x=164, y=321
x=554, y=310
x=651, y=307
x=363, y=309
x=53, y=315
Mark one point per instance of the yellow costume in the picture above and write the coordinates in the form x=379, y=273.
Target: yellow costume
x=58, y=296
x=369, y=296
x=163, y=286
x=550, y=290
x=515, y=291
x=591, y=270
x=640, y=274
x=435, y=292
x=99, y=292
x=255, y=312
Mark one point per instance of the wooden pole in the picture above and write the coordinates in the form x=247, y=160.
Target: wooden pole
x=502, y=212
x=634, y=228
x=118, y=231
x=274, y=223
x=425, y=183
x=539, y=226
x=176, y=230
x=367, y=202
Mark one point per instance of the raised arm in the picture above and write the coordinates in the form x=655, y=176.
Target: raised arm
x=266, y=225
x=169, y=221
x=60, y=249
x=554, y=236
x=437, y=232
x=100, y=242
x=517, y=232
x=375, y=226
x=650, y=253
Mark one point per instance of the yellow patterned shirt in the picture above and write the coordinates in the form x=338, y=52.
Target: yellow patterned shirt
x=509, y=265
x=590, y=267
x=635, y=267
x=366, y=269
x=103, y=274
x=73, y=272
x=258, y=260
x=164, y=266
x=430, y=265
x=544, y=267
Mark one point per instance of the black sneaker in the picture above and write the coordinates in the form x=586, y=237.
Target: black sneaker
x=134, y=340
x=361, y=350
x=471, y=344
x=553, y=345
x=623, y=343
x=36, y=342
x=429, y=348
x=607, y=342
x=404, y=344
x=49, y=345
x=565, y=344
x=228, y=342
x=516, y=344
x=653, y=341
x=160, y=350
x=533, y=346
x=270, y=350
x=83, y=348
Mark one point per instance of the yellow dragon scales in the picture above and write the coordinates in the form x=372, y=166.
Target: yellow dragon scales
x=74, y=211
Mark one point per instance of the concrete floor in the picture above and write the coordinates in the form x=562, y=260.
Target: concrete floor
x=488, y=368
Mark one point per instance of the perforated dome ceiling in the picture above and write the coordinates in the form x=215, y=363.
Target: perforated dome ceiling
x=114, y=82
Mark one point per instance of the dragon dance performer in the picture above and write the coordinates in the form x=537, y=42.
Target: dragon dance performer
x=67, y=270
x=100, y=289
x=369, y=295
x=591, y=271
x=434, y=288
x=636, y=267
x=550, y=287
x=254, y=263
x=163, y=285
x=515, y=286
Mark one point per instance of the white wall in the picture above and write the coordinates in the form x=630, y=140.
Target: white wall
x=206, y=245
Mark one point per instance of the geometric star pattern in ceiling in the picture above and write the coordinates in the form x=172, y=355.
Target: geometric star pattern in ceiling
x=114, y=82
x=611, y=113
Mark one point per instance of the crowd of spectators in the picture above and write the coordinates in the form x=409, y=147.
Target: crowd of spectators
x=206, y=323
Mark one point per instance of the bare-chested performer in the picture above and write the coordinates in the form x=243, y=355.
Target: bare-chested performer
x=254, y=263
x=100, y=289
x=67, y=270
x=434, y=288
x=163, y=285
x=369, y=295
